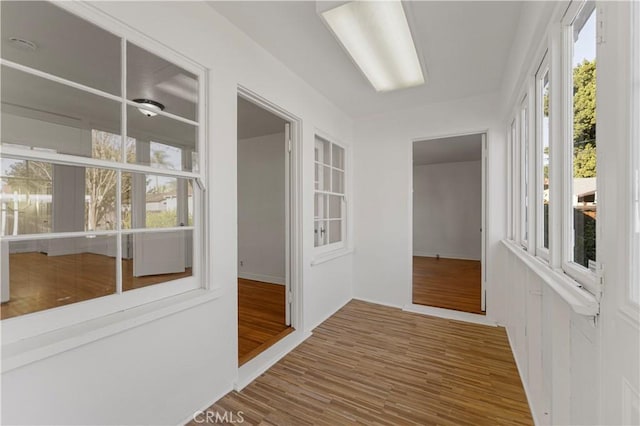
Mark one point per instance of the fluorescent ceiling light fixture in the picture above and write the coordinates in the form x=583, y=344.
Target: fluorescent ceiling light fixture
x=151, y=107
x=376, y=34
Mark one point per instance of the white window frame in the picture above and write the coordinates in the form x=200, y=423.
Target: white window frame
x=633, y=293
x=525, y=172
x=582, y=275
x=328, y=249
x=37, y=323
x=543, y=69
x=514, y=140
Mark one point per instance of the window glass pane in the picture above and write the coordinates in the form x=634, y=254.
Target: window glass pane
x=325, y=178
x=545, y=158
x=153, y=78
x=524, y=175
x=319, y=206
x=584, y=198
x=316, y=179
x=323, y=151
x=155, y=201
x=335, y=207
x=156, y=257
x=337, y=157
x=38, y=113
x=60, y=44
x=40, y=197
x=338, y=182
x=160, y=141
x=69, y=270
x=165, y=156
x=26, y=194
x=335, y=231
x=100, y=198
x=320, y=233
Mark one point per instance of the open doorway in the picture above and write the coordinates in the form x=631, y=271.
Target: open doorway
x=448, y=218
x=264, y=229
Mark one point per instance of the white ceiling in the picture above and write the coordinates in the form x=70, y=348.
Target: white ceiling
x=447, y=150
x=464, y=46
x=254, y=121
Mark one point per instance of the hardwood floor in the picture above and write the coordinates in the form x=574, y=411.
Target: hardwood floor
x=371, y=364
x=261, y=317
x=39, y=282
x=447, y=283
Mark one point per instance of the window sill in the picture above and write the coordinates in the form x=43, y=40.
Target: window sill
x=26, y=351
x=325, y=257
x=580, y=300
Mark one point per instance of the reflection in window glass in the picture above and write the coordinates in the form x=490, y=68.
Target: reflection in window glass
x=151, y=77
x=545, y=158
x=166, y=137
x=26, y=196
x=156, y=257
x=165, y=156
x=584, y=199
x=59, y=44
x=69, y=270
x=24, y=94
x=155, y=201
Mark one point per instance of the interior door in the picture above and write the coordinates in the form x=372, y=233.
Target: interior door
x=483, y=233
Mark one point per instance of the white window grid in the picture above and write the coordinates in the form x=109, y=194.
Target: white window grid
x=542, y=79
x=31, y=324
x=322, y=192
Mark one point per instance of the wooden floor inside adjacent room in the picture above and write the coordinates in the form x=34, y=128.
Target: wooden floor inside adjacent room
x=447, y=283
x=261, y=317
x=372, y=364
x=39, y=282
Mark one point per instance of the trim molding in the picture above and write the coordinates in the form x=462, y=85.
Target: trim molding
x=418, y=253
x=449, y=314
x=262, y=278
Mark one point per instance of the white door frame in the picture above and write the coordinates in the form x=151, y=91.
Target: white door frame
x=484, y=222
x=293, y=176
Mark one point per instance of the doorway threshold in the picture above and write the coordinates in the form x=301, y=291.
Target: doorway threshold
x=449, y=314
x=253, y=368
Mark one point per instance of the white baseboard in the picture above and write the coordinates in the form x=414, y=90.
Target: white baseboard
x=265, y=360
x=262, y=278
x=449, y=314
x=203, y=408
x=524, y=382
x=377, y=302
x=445, y=255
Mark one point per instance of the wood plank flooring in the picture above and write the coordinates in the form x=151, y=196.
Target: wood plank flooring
x=375, y=365
x=447, y=283
x=261, y=317
x=39, y=282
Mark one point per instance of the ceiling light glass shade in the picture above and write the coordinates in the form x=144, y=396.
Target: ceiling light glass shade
x=376, y=34
x=150, y=107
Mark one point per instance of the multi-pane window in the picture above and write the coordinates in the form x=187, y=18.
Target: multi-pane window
x=543, y=157
x=97, y=174
x=584, y=196
x=329, y=199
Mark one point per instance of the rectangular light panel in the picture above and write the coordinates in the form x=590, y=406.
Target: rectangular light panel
x=376, y=34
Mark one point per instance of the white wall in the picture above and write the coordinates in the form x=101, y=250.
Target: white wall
x=261, y=208
x=383, y=181
x=161, y=372
x=447, y=207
